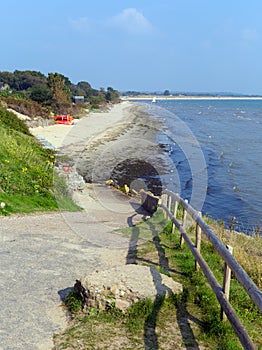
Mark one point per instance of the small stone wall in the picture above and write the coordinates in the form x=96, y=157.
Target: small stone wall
x=123, y=285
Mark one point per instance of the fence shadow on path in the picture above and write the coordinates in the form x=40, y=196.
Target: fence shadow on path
x=183, y=317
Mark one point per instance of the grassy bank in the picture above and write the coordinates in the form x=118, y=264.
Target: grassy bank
x=27, y=171
x=190, y=320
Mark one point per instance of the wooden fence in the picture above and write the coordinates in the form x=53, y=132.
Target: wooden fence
x=169, y=203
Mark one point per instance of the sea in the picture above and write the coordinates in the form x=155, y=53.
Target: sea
x=216, y=151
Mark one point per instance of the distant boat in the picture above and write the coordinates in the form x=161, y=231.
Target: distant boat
x=154, y=100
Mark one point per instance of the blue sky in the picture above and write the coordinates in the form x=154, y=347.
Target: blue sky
x=145, y=45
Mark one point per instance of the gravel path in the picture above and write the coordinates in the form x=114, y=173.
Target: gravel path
x=42, y=255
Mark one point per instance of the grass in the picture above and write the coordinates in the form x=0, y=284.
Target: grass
x=244, y=247
x=10, y=121
x=28, y=181
x=188, y=320
x=200, y=294
x=113, y=329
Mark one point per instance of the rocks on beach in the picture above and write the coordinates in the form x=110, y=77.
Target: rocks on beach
x=75, y=182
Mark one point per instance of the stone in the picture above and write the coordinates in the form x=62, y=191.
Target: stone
x=149, y=201
x=122, y=304
x=123, y=285
x=75, y=182
x=82, y=293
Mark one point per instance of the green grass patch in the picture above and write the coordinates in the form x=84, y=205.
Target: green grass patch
x=9, y=120
x=73, y=302
x=138, y=328
x=28, y=181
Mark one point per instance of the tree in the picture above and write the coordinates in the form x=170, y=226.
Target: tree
x=41, y=94
x=7, y=78
x=166, y=93
x=86, y=88
x=112, y=95
x=55, y=89
x=24, y=80
x=61, y=92
x=67, y=81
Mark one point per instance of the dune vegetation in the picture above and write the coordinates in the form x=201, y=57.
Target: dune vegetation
x=27, y=171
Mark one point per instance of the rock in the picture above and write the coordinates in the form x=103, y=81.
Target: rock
x=121, y=286
x=122, y=304
x=82, y=293
x=127, y=189
x=75, y=182
x=149, y=201
x=110, y=182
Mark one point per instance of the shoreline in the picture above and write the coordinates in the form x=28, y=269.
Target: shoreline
x=105, y=145
x=195, y=98
x=119, y=144
x=125, y=151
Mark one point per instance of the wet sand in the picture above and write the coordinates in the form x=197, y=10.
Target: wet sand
x=111, y=144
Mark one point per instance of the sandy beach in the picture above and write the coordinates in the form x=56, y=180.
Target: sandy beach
x=104, y=144
x=85, y=128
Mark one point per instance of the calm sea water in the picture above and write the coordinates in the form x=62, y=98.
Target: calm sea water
x=226, y=136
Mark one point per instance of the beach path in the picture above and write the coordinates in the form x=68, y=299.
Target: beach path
x=41, y=255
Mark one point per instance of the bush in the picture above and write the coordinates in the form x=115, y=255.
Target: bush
x=26, y=106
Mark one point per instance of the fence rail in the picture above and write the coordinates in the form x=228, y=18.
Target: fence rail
x=168, y=198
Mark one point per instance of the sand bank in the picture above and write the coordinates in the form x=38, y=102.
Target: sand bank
x=119, y=144
x=86, y=128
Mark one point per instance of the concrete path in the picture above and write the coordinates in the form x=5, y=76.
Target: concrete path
x=42, y=255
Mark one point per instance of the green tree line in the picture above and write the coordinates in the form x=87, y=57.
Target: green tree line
x=54, y=90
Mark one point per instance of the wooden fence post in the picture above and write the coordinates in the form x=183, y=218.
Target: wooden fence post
x=198, y=240
x=226, y=283
x=164, y=202
x=184, y=225
x=169, y=203
x=174, y=214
